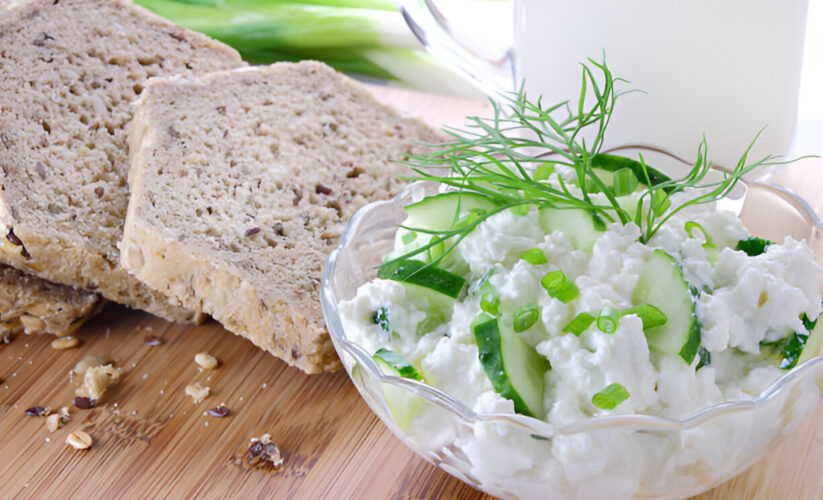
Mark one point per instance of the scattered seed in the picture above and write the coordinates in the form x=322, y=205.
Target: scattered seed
x=89, y=362
x=252, y=230
x=67, y=342
x=153, y=341
x=84, y=403
x=79, y=440
x=219, y=412
x=38, y=411
x=206, y=361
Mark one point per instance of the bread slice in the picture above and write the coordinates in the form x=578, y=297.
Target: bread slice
x=69, y=71
x=33, y=305
x=242, y=182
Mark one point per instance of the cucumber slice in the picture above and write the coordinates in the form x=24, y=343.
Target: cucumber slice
x=514, y=368
x=395, y=364
x=814, y=343
x=402, y=404
x=440, y=212
x=579, y=225
x=606, y=164
x=420, y=274
x=661, y=284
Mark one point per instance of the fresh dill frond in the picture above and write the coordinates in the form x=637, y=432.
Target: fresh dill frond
x=500, y=158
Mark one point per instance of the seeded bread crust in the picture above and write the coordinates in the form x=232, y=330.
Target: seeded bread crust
x=69, y=71
x=33, y=305
x=242, y=182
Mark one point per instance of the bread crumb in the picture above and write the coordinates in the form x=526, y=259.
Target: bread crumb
x=263, y=453
x=53, y=422
x=197, y=392
x=96, y=380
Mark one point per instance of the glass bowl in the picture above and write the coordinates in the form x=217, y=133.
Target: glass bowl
x=514, y=456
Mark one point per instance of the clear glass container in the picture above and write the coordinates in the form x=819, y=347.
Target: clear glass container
x=641, y=456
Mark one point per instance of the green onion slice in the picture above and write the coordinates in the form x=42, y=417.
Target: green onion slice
x=580, y=323
x=490, y=303
x=543, y=171
x=520, y=210
x=534, y=256
x=408, y=237
x=610, y=397
x=660, y=201
x=526, y=317
x=560, y=286
x=608, y=320
x=625, y=182
x=648, y=314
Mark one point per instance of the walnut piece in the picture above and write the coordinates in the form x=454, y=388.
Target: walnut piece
x=263, y=453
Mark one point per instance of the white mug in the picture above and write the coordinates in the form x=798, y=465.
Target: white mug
x=726, y=68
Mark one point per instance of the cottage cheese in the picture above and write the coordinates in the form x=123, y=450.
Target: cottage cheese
x=742, y=302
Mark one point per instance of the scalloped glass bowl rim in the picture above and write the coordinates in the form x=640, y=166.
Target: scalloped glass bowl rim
x=530, y=424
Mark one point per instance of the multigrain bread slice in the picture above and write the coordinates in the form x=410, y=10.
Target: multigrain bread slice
x=33, y=305
x=69, y=71
x=242, y=182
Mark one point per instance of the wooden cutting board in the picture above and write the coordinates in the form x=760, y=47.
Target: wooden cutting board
x=151, y=441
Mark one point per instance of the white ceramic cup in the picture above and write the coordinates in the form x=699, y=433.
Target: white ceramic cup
x=726, y=68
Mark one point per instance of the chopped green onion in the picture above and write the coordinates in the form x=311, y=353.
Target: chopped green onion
x=560, y=286
x=543, y=171
x=469, y=218
x=408, y=237
x=610, y=397
x=608, y=320
x=526, y=317
x=648, y=314
x=753, y=246
x=520, y=210
x=625, y=182
x=660, y=201
x=381, y=318
x=692, y=225
x=534, y=256
x=436, y=250
x=579, y=324
x=490, y=303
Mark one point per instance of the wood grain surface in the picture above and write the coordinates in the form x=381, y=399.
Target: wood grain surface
x=152, y=441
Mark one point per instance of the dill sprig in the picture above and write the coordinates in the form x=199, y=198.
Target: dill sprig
x=500, y=158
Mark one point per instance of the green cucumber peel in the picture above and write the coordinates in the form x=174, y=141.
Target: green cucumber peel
x=397, y=364
x=422, y=274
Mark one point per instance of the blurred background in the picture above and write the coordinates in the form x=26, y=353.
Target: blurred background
x=369, y=39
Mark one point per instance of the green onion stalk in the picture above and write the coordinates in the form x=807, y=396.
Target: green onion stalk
x=368, y=37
